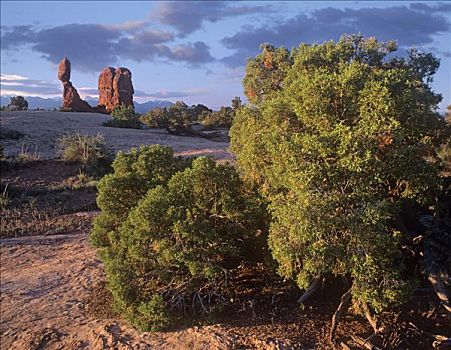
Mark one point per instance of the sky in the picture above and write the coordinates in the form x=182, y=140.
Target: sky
x=195, y=51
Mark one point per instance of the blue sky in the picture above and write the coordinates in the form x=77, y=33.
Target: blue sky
x=195, y=51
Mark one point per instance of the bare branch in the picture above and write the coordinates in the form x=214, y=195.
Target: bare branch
x=342, y=307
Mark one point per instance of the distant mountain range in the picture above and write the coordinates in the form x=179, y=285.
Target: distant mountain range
x=56, y=102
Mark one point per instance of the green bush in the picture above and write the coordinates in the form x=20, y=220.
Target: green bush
x=156, y=118
x=19, y=102
x=177, y=118
x=89, y=150
x=169, y=231
x=337, y=142
x=218, y=119
x=124, y=117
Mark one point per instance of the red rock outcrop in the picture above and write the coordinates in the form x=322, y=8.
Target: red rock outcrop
x=115, y=88
x=64, y=70
x=71, y=99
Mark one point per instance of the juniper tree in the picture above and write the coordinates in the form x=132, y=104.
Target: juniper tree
x=337, y=139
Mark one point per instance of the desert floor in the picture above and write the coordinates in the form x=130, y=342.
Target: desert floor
x=42, y=129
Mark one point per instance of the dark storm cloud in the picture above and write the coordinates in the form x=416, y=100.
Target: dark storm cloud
x=16, y=36
x=409, y=25
x=193, y=53
x=93, y=46
x=188, y=16
x=88, y=46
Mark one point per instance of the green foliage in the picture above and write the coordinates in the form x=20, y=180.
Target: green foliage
x=236, y=103
x=133, y=175
x=168, y=231
x=156, y=117
x=222, y=118
x=89, y=150
x=337, y=139
x=19, y=102
x=124, y=117
x=266, y=72
x=175, y=119
x=448, y=114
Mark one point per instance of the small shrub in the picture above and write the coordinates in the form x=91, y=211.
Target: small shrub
x=90, y=151
x=169, y=231
x=26, y=156
x=124, y=117
x=156, y=118
x=77, y=182
x=134, y=173
x=19, y=103
x=222, y=118
x=177, y=118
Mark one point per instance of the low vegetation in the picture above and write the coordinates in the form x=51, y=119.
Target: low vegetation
x=169, y=231
x=26, y=155
x=88, y=150
x=218, y=119
x=179, y=119
x=18, y=103
x=176, y=119
x=124, y=117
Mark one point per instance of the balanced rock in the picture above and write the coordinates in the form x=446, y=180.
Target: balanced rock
x=115, y=88
x=71, y=99
x=64, y=70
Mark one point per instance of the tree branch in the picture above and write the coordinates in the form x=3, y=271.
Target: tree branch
x=311, y=289
x=344, y=303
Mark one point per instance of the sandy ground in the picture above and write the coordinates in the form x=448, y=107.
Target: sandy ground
x=42, y=129
x=45, y=283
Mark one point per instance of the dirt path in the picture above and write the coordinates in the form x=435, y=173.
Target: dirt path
x=45, y=283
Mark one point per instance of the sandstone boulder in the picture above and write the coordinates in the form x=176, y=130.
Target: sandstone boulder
x=64, y=70
x=115, y=88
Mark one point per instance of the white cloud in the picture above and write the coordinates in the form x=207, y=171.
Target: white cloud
x=8, y=77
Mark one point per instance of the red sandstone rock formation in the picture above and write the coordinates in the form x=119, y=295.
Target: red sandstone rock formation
x=73, y=101
x=64, y=70
x=115, y=88
x=71, y=98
